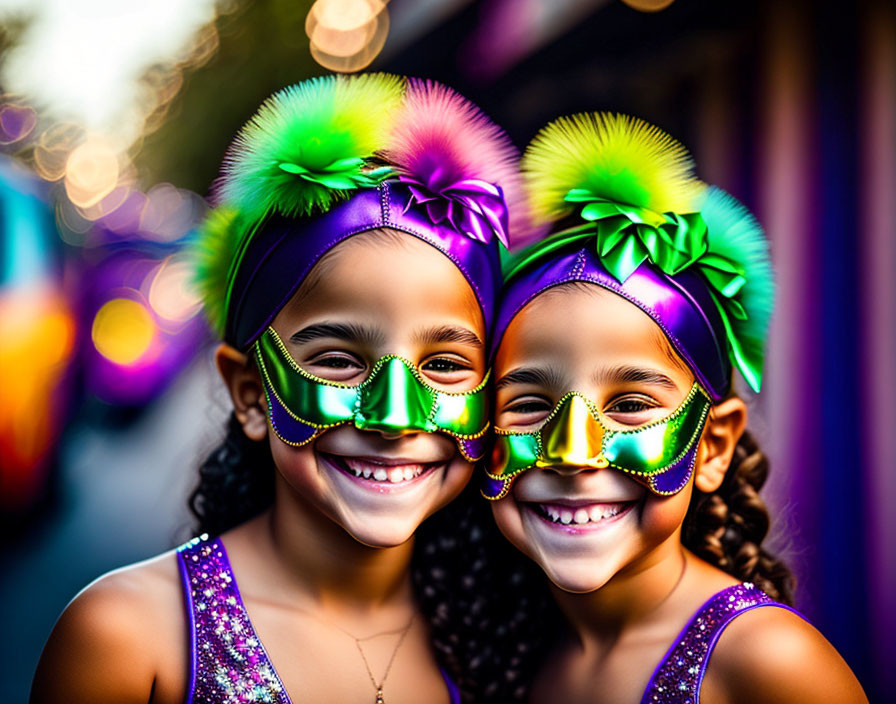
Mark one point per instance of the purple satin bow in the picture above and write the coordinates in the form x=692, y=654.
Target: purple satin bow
x=473, y=207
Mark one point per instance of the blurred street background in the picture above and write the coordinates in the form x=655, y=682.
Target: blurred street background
x=114, y=118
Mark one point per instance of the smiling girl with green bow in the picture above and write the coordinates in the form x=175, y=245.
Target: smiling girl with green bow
x=622, y=466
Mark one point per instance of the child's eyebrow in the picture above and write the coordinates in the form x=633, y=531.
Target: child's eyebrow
x=632, y=375
x=350, y=332
x=545, y=378
x=447, y=333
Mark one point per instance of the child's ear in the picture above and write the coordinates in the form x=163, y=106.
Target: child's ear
x=726, y=424
x=244, y=384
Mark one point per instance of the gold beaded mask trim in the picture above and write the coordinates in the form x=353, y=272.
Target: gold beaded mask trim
x=660, y=455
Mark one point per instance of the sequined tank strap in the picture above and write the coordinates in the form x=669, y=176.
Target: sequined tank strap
x=228, y=664
x=678, y=677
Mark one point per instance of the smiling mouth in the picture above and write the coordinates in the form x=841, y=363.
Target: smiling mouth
x=581, y=515
x=382, y=472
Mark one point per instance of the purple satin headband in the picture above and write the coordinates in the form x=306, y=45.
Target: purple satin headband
x=681, y=305
x=284, y=250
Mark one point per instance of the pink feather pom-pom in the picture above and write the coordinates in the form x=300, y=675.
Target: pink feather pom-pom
x=439, y=138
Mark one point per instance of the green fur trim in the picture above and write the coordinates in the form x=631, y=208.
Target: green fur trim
x=733, y=233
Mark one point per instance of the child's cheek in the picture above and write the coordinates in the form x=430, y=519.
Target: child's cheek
x=662, y=516
x=297, y=466
x=508, y=518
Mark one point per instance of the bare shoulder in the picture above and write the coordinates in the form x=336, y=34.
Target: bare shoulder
x=770, y=654
x=117, y=638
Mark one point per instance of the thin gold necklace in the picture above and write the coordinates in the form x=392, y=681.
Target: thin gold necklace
x=378, y=686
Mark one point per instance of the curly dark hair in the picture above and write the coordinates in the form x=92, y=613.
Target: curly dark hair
x=490, y=609
x=477, y=593
x=726, y=527
x=234, y=484
x=490, y=612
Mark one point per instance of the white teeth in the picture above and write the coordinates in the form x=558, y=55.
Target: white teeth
x=581, y=515
x=393, y=475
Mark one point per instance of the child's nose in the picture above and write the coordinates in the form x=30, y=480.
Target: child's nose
x=573, y=439
x=393, y=403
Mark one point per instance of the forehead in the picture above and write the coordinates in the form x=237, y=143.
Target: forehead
x=581, y=322
x=385, y=277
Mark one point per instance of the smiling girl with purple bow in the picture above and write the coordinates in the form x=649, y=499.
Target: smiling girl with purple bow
x=351, y=268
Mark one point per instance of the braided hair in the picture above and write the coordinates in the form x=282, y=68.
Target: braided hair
x=726, y=527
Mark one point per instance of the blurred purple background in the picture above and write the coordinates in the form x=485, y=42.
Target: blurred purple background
x=108, y=396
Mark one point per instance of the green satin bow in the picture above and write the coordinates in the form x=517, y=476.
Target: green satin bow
x=342, y=174
x=625, y=236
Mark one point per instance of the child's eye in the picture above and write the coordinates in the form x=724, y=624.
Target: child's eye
x=526, y=407
x=443, y=365
x=632, y=410
x=528, y=410
x=446, y=370
x=338, y=363
x=336, y=366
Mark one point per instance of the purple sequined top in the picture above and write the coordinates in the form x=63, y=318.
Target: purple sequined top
x=677, y=679
x=228, y=663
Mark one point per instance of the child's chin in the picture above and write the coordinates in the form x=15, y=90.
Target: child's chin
x=385, y=534
x=576, y=579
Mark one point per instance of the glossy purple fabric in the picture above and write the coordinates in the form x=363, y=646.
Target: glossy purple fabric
x=284, y=251
x=679, y=675
x=682, y=306
x=228, y=662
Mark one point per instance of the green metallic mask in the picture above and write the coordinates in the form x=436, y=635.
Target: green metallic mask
x=394, y=399
x=660, y=455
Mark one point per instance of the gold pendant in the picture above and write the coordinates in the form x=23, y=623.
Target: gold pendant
x=379, y=696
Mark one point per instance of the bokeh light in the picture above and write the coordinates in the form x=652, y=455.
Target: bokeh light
x=97, y=51
x=169, y=213
x=53, y=148
x=37, y=336
x=124, y=221
x=109, y=204
x=72, y=225
x=91, y=172
x=648, y=5
x=171, y=292
x=347, y=35
x=16, y=122
x=123, y=330
x=145, y=323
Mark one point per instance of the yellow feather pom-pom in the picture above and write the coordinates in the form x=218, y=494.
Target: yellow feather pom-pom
x=615, y=157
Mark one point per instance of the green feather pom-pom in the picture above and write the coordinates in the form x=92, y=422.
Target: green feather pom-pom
x=211, y=251
x=308, y=144
x=306, y=148
x=614, y=157
x=733, y=233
